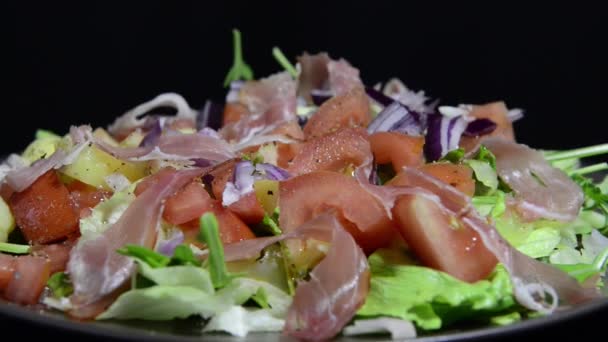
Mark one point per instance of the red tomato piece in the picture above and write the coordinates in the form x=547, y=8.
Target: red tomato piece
x=442, y=242
x=44, y=210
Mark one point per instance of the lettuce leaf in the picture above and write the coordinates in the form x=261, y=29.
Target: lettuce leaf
x=187, y=290
x=432, y=299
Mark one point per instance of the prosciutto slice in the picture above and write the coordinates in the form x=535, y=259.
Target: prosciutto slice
x=95, y=267
x=540, y=189
x=537, y=286
x=134, y=118
x=337, y=287
x=320, y=72
x=175, y=147
x=271, y=102
x=21, y=178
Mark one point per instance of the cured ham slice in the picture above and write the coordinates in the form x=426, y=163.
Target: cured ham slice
x=95, y=267
x=540, y=189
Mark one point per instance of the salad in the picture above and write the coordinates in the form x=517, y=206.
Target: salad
x=320, y=206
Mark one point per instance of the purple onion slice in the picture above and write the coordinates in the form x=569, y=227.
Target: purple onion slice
x=396, y=118
x=443, y=135
x=245, y=174
x=479, y=127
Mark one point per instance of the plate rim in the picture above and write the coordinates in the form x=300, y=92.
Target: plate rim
x=119, y=331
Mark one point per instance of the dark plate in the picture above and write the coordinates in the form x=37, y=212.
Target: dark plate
x=582, y=319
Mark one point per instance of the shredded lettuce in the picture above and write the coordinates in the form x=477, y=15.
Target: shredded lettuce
x=433, y=299
x=106, y=213
x=14, y=248
x=280, y=57
x=60, y=285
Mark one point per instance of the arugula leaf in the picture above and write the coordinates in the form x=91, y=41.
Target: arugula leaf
x=60, y=285
x=183, y=256
x=271, y=222
x=14, y=248
x=454, y=156
x=583, y=271
x=280, y=57
x=594, y=197
x=240, y=69
x=146, y=255
x=486, y=155
x=209, y=233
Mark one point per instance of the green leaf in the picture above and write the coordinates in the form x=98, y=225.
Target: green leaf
x=168, y=302
x=582, y=272
x=14, y=248
x=540, y=243
x=484, y=154
x=240, y=70
x=454, y=156
x=261, y=298
x=45, y=134
x=484, y=174
x=183, y=256
x=577, y=153
x=60, y=285
x=280, y=57
x=430, y=298
x=271, y=224
x=146, y=255
x=209, y=233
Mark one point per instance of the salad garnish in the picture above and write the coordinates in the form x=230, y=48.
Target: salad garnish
x=316, y=205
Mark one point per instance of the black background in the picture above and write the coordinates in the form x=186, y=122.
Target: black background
x=74, y=63
x=86, y=63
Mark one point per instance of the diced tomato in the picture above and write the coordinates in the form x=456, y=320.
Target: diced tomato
x=248, y=209
x=57, y=254
x=348, y=110
x=497, y=112
x=85, y=196
x=304, y=197
x=398, y=149
x=442, y=242
x=28, y=280
x=44, y=210
x=286, y=153
x=6, y=192
x=187, y=205
x=233, y=112
x=457, y=175
x=336, y=151
x=7, y=267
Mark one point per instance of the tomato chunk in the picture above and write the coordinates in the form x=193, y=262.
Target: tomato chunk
x=248, y=209
x=85, y=196
x=332, y=152
x=457, y=175
x=28, y=280
x=442, y=242
x=186, y=207
x=348, y=110
x=304, y=197
x=398, y=149
x=7, y=267
x=44, y=210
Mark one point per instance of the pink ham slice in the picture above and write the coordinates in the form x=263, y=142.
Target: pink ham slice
x=537, y=286
x=95, y=267
x=337, y=287
x=271, y=102
x=175, y=147
x=20, y=179
x=540, y=189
